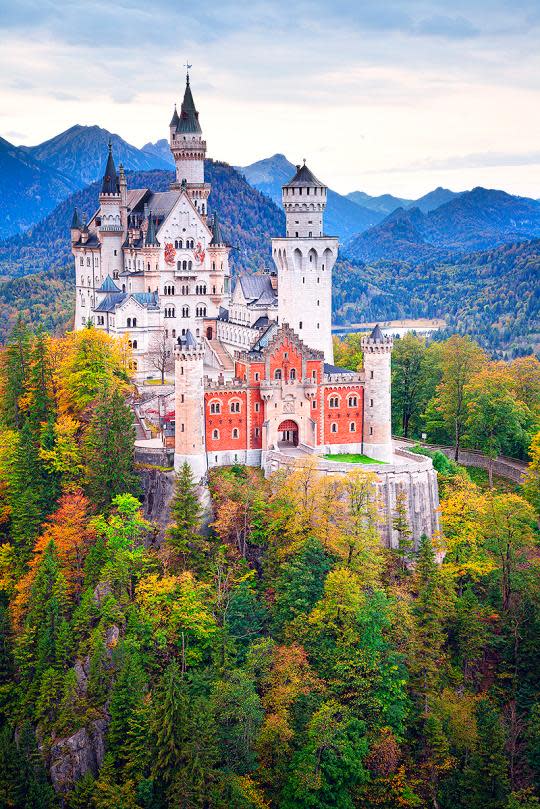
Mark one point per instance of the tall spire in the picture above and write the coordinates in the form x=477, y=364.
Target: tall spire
x=217, y=238
x=76, y=221
x=110, y=180
x=175, y=119
x=189, y=117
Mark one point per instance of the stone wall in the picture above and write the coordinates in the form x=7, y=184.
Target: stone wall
x=410, y=473
x=509, y=468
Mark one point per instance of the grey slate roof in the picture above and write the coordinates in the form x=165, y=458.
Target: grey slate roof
x=189, y=117
x=217, y=238
x=187, y=340
x=150, y=300
x=108, y=285
x=92, y=241
x=257, y=288
x=223, y=314
x=110, y=180
x=151, y=240
x=76, y=221
x=376, y=335
x=110, y=303
x=335, y=369
x=304, y=178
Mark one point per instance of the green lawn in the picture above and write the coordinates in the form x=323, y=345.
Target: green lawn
x=351, y=458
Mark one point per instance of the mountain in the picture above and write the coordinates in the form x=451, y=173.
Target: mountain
x=81, y=151
x=385, y=203
x=41, y=265
x=343, y=218
x=160, y=149
x=28, y=189
x=434, y=199
x=474, y=220
x=492, y=295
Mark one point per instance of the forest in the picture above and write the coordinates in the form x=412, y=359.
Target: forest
x=282, y=657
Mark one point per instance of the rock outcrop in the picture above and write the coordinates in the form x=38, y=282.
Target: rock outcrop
x=74, y=756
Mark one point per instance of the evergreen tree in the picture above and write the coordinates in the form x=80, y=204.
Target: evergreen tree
x=108, y=450
x=300, y=583
x=487, y=781
x=169, y=723
x=186, y=512
x=400, y=524
x=15, y=370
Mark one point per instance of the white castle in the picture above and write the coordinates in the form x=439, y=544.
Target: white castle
x=254, y=379
x=154, y=266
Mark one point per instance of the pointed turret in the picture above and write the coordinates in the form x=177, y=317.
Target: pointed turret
x=76, y=221
x=217, y=238
x=151, y=239
x=110, y=179
x=175, y=119
x=376, y=335
x=189, y=117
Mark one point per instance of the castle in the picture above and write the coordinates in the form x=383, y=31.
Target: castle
x=254, y=377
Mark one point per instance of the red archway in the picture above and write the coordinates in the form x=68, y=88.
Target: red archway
x=288, y=433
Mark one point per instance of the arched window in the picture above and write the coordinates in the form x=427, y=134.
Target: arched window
x=353, y=401
x=234, y=407
x=292, y=373
x=235, y=433
x=333, y=428
x=185, y=311
x=134, y=344
x=129, y=322
x=277, y=373
x=180, y=243
x=334, y=401
x=190, y=265
x=352, y=427
x=215, y=407
x=178, y=266
x=200, y=311
x=215, y=435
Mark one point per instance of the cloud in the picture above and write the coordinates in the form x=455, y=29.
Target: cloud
x=469, y=161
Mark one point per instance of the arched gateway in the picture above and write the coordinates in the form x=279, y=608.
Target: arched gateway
x=288, y=433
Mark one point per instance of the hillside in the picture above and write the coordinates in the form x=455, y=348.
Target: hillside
x=81, y=151
x=343, y=218
x=492, y=295
x=384, y=203
x=28, y=189
x=248, y=219
x=475, y=220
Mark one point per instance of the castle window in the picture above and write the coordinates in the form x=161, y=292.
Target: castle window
x=185, y=311
x=314, y=374
x=134, y=322
x=371, y=402
x=82, y=261
x=88, y=262
x=200, y=311
x=371, y=374
x=292, y=373
x=128, y=324
x=257, y=407
x=235, y=433
x=215, y=436
x=257, y=432
x=353, y=401
x=313, y=404
x=371, y=430
x=256, y=376
x=334, y=401
x=333, y=427
x=134, y=344
x=190, y=265
x=234, y=407
x=352, y=427
x=300, y=325
x=277, y=373
x=215, y=407
x=173, y=334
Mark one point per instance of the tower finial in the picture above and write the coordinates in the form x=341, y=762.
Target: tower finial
x=188, y=68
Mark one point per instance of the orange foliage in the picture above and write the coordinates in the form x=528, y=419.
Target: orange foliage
x=68, y=529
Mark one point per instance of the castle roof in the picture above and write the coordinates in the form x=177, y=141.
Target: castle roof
x=110, y=303
x=76, y=221
x=258, y=289
x=335, y=369
x=188, y=340
x=151, y=239
x=110, y=179
x=189, y=117
x=376, y=335
x=148, y=300
x=304, y=178
x=108, y=285
x=175, y=119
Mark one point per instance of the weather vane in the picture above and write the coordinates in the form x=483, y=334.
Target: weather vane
x=188, y=68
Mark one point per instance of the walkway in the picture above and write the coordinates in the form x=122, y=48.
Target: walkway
x=509, y=468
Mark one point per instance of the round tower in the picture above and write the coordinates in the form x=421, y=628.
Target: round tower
x=189, y=150
x=111, y=232
x=190, y=442
x=304, y=260
x=377, y=433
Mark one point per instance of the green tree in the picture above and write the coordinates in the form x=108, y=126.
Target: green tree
x=486, y=777
x=108, y=451
x=400, y=524
x=186, y=513
x=300, y=582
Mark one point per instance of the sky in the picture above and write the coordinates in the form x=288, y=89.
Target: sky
x=383, y=96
